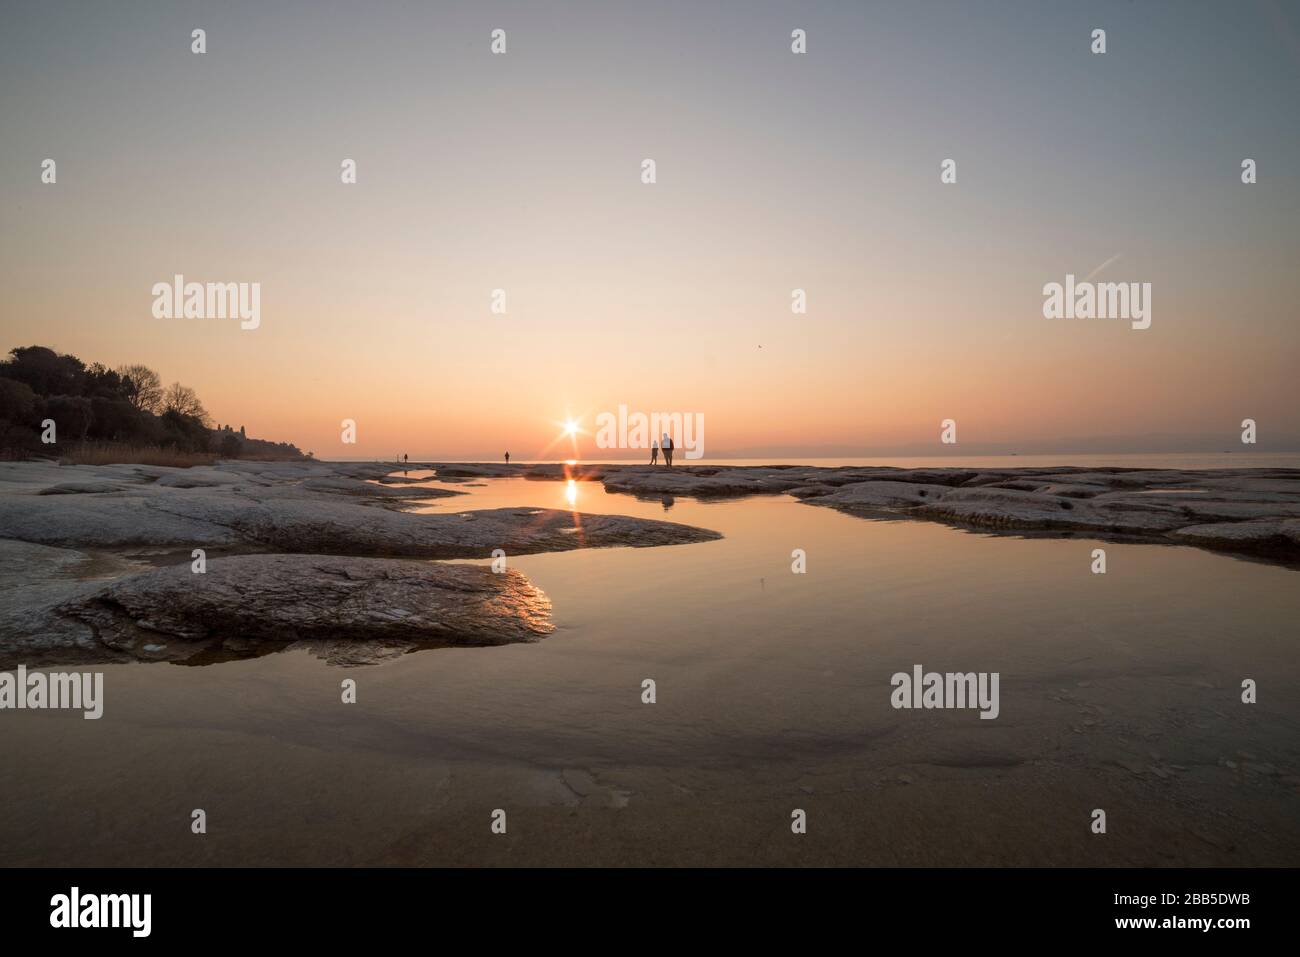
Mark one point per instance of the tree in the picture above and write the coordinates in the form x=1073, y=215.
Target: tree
x=47, y=372
x=17, y=402
x=72, y=415
x=117, y=420
x=184, y=432
x=103, y=383
x=183, y=400
x=127, y=404
x=143, y=386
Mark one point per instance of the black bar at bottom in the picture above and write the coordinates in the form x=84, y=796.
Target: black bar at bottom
x=767, y=906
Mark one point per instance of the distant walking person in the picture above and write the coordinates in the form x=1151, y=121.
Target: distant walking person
x=654, y=451
x=668, y=449
x=406, y=458
x=507, y=458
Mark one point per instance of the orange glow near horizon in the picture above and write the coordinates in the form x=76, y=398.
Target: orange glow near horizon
x=924, y=301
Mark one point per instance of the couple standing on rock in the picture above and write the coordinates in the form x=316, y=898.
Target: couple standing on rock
x=667, y=446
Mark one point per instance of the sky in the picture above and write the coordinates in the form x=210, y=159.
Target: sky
x=775, y=171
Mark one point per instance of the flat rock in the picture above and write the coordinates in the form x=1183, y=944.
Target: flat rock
x=365, y=489
x=292, y=514
x=1243, y=510
x=81, y=488
x=302, y=554
x=119, y=521
x=1000, y=507
x=26, y=562
x=883, y=495
x=356, y=507
x=1280, y=534
x=202, y=478
x=699, y=482
x=346, y=609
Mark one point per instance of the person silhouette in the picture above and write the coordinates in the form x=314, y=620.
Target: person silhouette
x=668, y=449
x=507, y=458
x=654, y=451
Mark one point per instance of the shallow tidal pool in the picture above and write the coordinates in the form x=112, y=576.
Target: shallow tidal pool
x=1119, y=692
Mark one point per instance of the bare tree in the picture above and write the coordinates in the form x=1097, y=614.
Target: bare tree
x=145, y=391
x=184, y=400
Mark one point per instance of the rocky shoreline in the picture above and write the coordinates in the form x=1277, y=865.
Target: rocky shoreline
x=307, y=555
x=1246, y=511
x=329, y=556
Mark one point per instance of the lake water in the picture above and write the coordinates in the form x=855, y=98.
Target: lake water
x=1118, y=692
x=1138, y=460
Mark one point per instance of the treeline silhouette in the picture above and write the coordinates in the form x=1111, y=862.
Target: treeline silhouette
x=127, y=405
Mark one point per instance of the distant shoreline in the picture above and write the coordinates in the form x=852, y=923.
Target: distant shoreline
x=1176, y=460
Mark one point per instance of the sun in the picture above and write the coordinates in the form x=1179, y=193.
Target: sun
x=568, y=431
